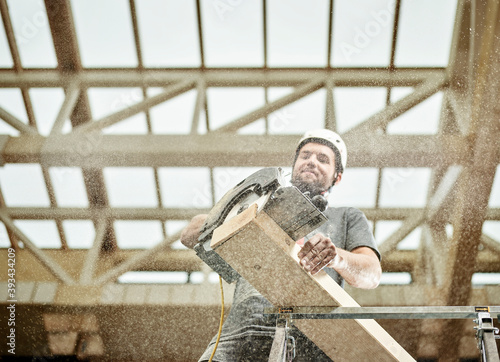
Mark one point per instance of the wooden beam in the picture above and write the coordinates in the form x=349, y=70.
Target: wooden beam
x=330, y=120
x=460, y=50
x=73, y=260
x=40, y=255
x=164, y=214
x=134, y=262
x=477, y=180
x=422, y=272
x=102, y=213
x=218, y=77
x=95, y=150
x=384, y=117
x=390, y=244
x=72, y=95
x=201, y=99
x=92, y=256
x=436, y=244
x=10, y=234
x=9, y=33
x=443, y=191
x=492, y=245
x=298, y=93
x=60, y=17
x=461, y=110
x=63, y=32
x=16, y=123
x=169, y=93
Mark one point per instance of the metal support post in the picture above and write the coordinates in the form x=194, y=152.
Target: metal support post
x=485, y=335
x=283, y=348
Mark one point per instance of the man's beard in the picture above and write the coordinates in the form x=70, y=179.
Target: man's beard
x=311, y=188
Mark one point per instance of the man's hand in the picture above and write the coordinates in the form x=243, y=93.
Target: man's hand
x=190, y=234
x=317, y=252
x=359, y=267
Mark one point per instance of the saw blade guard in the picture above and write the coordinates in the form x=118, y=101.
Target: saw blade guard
x=255, y=188
x=294, y=212
x=260, y=183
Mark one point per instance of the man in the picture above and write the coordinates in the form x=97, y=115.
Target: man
x=343, y=246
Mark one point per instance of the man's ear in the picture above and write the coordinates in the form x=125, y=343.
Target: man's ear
x=337, y=180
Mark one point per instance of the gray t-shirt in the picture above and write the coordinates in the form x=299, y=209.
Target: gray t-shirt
x=247, y=334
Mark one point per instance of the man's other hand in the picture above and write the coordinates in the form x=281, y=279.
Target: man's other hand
x=190, y=234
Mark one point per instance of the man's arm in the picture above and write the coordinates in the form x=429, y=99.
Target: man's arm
x=359, y=267
x=190, y=234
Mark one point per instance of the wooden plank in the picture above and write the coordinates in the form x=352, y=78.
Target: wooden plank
x=259, y=250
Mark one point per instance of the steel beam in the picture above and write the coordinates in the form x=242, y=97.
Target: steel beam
x=414, y=312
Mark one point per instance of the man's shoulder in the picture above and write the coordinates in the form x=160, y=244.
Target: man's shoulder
x=342, y=210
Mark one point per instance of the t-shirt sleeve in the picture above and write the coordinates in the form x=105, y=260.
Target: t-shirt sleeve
x=359, y=232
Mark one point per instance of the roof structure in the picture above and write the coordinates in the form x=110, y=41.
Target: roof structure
x=121, y=120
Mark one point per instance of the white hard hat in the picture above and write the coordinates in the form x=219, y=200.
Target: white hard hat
x=330, y=138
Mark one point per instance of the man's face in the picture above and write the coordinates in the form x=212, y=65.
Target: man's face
x=314, y=169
